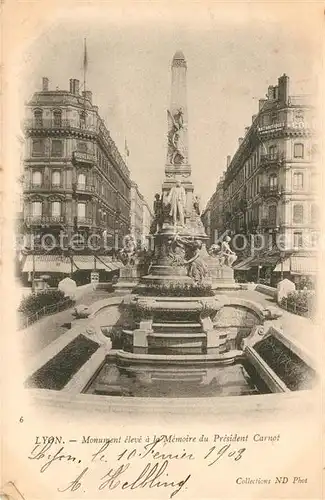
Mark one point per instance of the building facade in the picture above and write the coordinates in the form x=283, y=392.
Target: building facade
x=213, y=215
x=75, y=179
x=270, y=185
x=141, y=217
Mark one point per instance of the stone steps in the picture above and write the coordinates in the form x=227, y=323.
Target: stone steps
x=177, y=335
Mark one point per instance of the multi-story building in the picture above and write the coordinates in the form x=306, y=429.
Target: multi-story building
x=76, y=180
x=147, y=218
x=141, y=216
x=270, y=185
x=213, y=215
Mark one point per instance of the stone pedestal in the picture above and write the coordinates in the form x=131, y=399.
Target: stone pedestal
x=129, y=278
x=140, y=341
x=221, y=276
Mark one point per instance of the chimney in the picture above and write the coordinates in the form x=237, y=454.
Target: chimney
x=270, y=92
x=283, y=85
x=253, y=118
x=74, y=86
x=228, y=160
x=87, y=94
x=45, y=84
x=240, y=140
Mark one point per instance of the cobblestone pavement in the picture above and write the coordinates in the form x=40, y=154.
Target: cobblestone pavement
x=49, y=328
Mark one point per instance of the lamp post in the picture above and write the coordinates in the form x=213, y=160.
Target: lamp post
x=258, y=272
x=282, y=256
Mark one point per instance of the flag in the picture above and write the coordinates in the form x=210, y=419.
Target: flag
x=85, y=56
x=127, y=152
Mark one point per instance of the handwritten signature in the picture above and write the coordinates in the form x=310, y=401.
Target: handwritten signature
x=156, y=472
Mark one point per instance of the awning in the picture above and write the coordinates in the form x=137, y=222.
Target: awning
x=47, y=264
x=84, y=262
x=303, y=264
x=107, y=263
x=244, y=265
x=265, y=261
x=284, y=267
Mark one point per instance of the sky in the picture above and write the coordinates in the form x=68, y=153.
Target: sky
x=231, y=61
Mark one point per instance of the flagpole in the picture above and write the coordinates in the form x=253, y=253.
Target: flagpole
x=85, y=62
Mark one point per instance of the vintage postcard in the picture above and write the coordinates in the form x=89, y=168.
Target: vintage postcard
x=161, y=260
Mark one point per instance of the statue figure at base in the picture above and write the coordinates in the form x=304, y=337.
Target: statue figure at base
x=159, y=214
x=196, y=267
x=228, y=255
x=177, y=200
x=128, y=253
x=223, y=253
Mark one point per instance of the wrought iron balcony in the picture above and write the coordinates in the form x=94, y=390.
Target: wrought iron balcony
x=48, y=124
x=86, y=159
x=84, y=221
x=270, y=191
x=267, y=223
x=44, y=186
x=84, y=188
x=41, y=220
x=272, y=160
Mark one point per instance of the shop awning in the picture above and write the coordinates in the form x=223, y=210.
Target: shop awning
x=84, y=262
x=47, y=264
x=244, y=265
x=265, y=261
x=284, y=267
x=108, y=264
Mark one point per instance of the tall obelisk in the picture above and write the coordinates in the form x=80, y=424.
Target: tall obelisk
x=177, y=166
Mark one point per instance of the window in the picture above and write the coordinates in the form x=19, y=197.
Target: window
x=37, y=208
x=38, y=147
x=81, y=180
x=82, y=119
x=298, y=150
x=297, y=239
x=274, y=117
x=36, y=178
x=298, y=180
x=82, y=147
x=56, y=208
x=272, y=214
x=38, y=118
x=57, y=147
x=272, y=151
x=273, y=181
x=57, y=118
x=81, y=210
x=314, y=213
x=56, y=178
x=298, y=214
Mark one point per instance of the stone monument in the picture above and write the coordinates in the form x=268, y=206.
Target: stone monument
x=180, y=237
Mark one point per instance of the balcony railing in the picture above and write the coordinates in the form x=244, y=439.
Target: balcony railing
x=270, y=191
x=47, y=124
x=272, y=159
x=44, y=220
x=84, y=221
x=268, y=223
x=85, y=158
x=44, y=186
x=84, y=188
